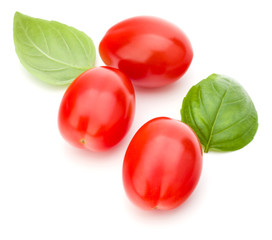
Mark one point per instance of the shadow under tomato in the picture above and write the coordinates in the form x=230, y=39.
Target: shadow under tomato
x=185, y=209
x=115, y=153
x=164, y=89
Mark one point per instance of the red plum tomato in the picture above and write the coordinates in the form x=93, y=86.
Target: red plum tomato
x=97, y=109
x=152, y=52
x=162, y=164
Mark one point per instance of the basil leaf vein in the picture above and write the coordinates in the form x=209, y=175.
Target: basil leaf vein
x=51, y=51
x=221, y=113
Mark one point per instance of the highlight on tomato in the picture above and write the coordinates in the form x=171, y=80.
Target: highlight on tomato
x=162, y=164
x=151, y=51
x=97, y=109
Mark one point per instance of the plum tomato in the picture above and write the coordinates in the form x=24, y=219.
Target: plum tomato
x=97, y=109
x=162, y=164
x=152, y=52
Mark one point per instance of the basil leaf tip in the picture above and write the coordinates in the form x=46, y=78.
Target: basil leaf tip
x=53, y=52
x=221, y=113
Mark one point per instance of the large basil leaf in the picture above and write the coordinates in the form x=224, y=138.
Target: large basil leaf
x=52, y=51
x=221, y=113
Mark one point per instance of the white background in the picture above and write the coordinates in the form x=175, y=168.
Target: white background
x=50, y=190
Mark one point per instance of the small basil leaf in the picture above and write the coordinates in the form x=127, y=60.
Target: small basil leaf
x=52, y=51
x=221, y=113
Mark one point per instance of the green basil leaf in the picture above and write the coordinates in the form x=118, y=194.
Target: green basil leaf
x=52, y=51
x=221, y=113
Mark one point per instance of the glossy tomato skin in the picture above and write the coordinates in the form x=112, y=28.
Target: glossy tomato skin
x=150, y=51
x=97, y=109
x=162, y=164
